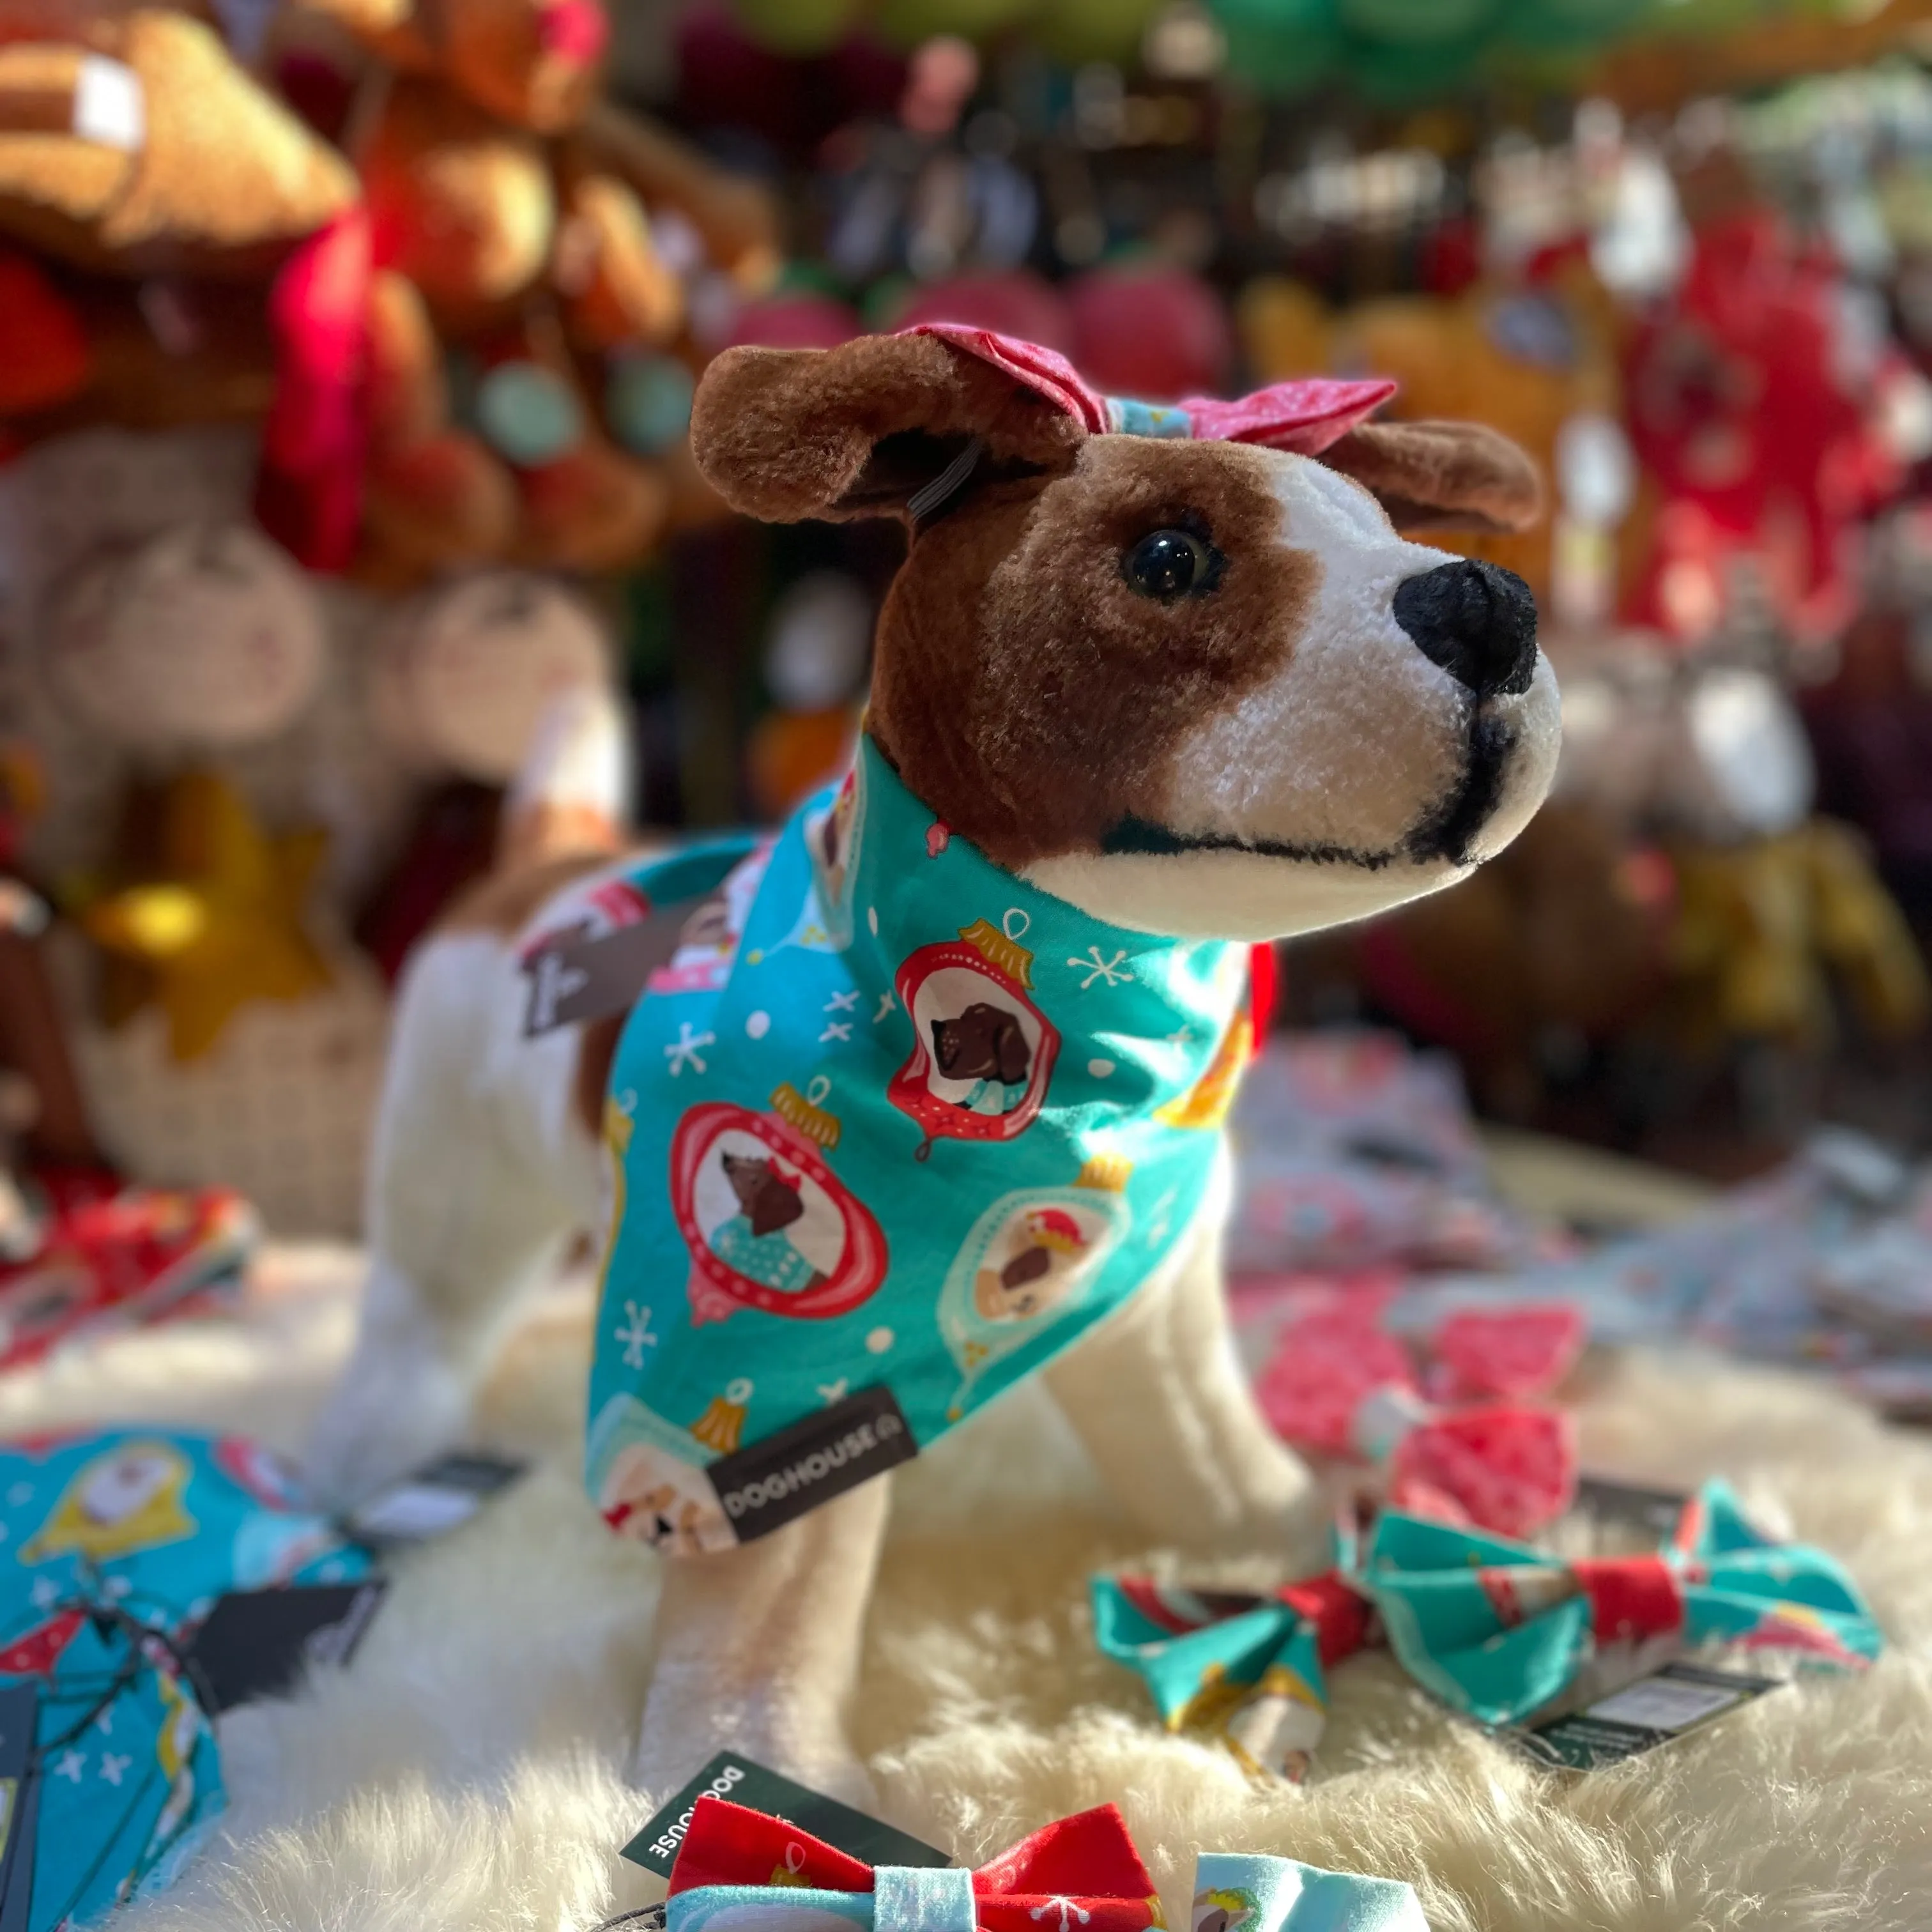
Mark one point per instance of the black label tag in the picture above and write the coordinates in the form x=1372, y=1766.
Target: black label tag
x=743, y=1780
x=19, y=1802
x=573, y=979
x=767, y=1484
x=1632, y=1505
x=1652, y=1711
x=23, y=1824
x=254, y=1643
x=441, y=1496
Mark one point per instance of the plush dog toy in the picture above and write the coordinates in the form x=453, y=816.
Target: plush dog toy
x=928, y=1086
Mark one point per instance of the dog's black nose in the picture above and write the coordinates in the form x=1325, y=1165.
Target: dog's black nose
x=1477, y=621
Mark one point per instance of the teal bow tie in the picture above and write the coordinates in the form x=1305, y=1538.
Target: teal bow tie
x=1497, y=1630
x=1245, y=1668
x=1238, y=1893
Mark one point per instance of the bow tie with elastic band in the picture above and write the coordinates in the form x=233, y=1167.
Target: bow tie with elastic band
x=1248, y=1670
x=759, y=1874
x=742, y=1870
x=1497, y=1630
x=1338, y=1382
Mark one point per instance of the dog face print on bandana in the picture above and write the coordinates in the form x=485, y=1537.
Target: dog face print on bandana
x=888, y=1133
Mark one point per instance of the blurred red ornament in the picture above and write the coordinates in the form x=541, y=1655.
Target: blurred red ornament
x=1150, y=331
x=801, y=321
x=1015, y=303
x=726, y=79
x=43, y=351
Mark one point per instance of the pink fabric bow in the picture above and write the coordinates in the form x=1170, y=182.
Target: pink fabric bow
x=1338, y=1382
x=1303, y=417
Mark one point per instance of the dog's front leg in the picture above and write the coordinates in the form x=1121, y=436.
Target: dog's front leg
x=757, y=1648
x=1160, y=1399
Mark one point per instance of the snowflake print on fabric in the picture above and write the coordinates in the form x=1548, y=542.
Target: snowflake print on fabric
x=1070, y=1911
x=1113, y=971
x=687, y=1050
x=635, y=1335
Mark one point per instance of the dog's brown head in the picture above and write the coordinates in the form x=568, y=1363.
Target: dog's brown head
x=769, y=1203
x=985, y=1043
x=1195, y=688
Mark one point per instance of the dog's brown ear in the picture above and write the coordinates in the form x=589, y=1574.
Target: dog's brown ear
x=1441, y=475
x=859, y=431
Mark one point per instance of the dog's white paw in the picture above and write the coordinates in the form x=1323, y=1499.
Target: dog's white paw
x=393, y=1410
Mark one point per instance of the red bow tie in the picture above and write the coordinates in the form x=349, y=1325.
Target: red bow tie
x=1082, y=1873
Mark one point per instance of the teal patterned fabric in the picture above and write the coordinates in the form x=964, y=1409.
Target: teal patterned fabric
x=1238, y=1892
x=1247, y=1670
x=129, y=1781
x=114, y=1545
x=898, y=1119
x=1497, y=1629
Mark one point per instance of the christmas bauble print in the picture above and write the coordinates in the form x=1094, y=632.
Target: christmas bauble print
x=769, y=1225
x=1027, y=1264
x=982, y=1052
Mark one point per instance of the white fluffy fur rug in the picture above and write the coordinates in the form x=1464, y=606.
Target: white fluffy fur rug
x=465, y=1773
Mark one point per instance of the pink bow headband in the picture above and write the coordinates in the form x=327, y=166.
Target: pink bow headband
x=1304, y=416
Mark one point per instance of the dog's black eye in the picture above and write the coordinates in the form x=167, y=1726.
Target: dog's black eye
x=1168, y=564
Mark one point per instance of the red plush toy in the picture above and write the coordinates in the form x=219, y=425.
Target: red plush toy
x=1755, y=402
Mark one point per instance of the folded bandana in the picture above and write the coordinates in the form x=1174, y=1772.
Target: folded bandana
x=160, y=1522
x=114, y=1545
x=1497, y=1630
x=1238, y=1892
x=1339, y=1383
x=896, y=1131
x=743, y=1870
x=125, y=1779
x=1247, y=1669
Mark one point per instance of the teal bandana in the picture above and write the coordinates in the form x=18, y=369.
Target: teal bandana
x=892, y=1130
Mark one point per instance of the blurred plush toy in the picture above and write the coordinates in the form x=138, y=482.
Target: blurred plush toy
x=1676, y=900
x=197, y=639
x=1765, y=930
x=158, y=185
x=79, y=1249
x=200, y=636
x=1764, y=405
x=1537, y=359
x=462, y=676
x=818, y=650
x=523, y=316
x=132, y=142
x=209, y=911
x=1551, y=951
x=1776, y=908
